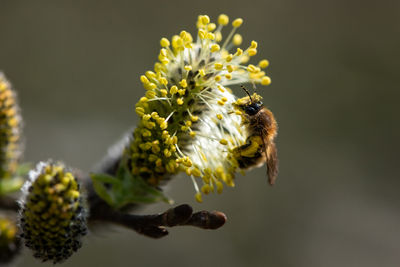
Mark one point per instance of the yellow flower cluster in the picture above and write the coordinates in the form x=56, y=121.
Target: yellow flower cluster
x=187, y=121
x=10, y=127
x=53, y=218
x=9, y=241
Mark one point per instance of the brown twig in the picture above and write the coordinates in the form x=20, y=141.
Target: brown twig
x=148, y=225
x=154, y=225
x=8, y=203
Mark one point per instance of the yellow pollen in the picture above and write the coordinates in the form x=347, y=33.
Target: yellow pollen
x=146, y=117
x=237, y=39
x=183, y=35
x=196, y=172
x=211, y=27
x=150, y=94
x=153, y=157
x=154, y=115
x=218, y=66
x=202, y=72
x=146, y=133
x=229, y=58
x=223, y=19
x=219, y=187
x=167, y=153
x=144, y=79
x=192, y=134
x=245, y=59
x=253, y=44
x=194, y=118
x=215, y=48
x=179, y=101
x=252, y=52
x=218, y=36
x=163, y=52
x=205, y=19
x=182, y=92
x=163, y=81
x=150, y=86
x=223, y=142
x=217, y=78
x=159, y=162
x=239, y=52
x=198, y=197
x=220, y=117
x=187, y=162
x=210, y=36
x=183, y=83
x=206, y=189
x=266, y=80
x=263, y=63
x=164, y=42
x=177, y=42
x=173, y=90
x=188, y=67
x=163, y=92
x=150, y=74
x=252, y=68
x=237, y=22
x=140, y=111
x=228, y=76
x=202, y=34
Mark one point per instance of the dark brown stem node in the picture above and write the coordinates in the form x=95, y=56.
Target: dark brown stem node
x=154, y=225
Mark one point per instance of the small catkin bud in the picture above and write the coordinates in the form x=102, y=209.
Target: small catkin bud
x=10, y=130
x=9, y=241
x=53, y=217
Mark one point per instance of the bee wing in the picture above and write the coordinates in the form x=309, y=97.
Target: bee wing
x=271, y=161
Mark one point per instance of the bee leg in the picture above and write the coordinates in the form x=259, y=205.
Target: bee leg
x=272, y=163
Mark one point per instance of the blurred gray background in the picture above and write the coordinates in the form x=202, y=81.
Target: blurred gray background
x=335, y=94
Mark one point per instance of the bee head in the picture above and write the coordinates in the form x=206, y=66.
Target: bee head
x=250, y=104
x=252, y=108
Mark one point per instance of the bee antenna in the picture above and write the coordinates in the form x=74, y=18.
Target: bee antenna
x=247, y=92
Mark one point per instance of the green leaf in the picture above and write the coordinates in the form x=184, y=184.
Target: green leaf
x=99, y=185
x=23, y=169
x=140, y=190
x=10, y=185
x=126, y=189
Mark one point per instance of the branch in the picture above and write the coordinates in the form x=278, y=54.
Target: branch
x=154, y=225
x=8, y=203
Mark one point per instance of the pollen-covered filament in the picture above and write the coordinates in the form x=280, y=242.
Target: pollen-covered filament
x=188, y=123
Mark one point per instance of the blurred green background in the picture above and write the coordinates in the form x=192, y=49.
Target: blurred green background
x=335, y=94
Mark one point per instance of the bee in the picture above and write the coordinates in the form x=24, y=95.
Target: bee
x=262, y=129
